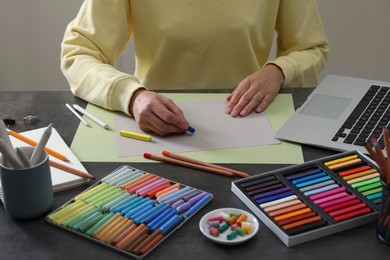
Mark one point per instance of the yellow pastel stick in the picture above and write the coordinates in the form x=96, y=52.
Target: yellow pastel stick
x=347, y=158
x=138, y=136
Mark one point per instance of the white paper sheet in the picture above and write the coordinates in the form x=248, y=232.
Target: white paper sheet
x=214, y=130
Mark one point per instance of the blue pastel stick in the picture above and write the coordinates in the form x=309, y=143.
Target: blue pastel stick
x=140, y=219
x=269, y=193
x=154, y=225
x=126, y=205
x=156, y=214
x=118, y=172
x=123, y=175
x=274, y=197
x=322, y=189
x=129, y=178
x=113, y=202
x=142, y=211
x=198, y=205
x=176, y=223
x=307, y=183
x=175, y=194
x=169, y=222
x=131, y=210
x=179, y=196
x=310, y=177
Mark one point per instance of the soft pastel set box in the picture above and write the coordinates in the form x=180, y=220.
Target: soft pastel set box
x=311, y=200
x=130, y=211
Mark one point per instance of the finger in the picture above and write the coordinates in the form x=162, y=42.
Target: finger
x=267, y=100
x=236, y=96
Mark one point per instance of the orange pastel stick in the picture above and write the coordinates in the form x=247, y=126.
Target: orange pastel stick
x=124, y=234
x=101, y=235
x=108, y=222
x=287, y=209
x=176, y=185
x=147, y=240
x=113, y=228
x=151, y=244
x=123, y=243
x=301, y=222
x=354, y=170
x=359, y=174
x=119, y=231
x=136, y=242
x=137, y=183
x=123, y=186
x=291, y=214
x=296, y=218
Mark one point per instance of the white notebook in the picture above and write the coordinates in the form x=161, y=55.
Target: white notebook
x=61, y=179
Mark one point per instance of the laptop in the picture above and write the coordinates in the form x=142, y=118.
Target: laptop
x=342, y=113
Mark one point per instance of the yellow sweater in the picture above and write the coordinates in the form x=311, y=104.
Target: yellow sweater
x=188, y=44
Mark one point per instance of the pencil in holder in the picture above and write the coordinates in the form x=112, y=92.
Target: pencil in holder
x=383, y=229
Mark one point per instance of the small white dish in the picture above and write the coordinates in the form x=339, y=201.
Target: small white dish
x=222, y=238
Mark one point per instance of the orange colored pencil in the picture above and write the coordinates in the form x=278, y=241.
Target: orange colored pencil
x=190, y=160
x=187, y=164
x=33, y=143
x=70, y=170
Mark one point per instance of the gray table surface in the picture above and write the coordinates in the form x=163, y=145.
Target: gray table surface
x=36, y=239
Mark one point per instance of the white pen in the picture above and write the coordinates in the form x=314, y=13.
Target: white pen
x=4, y=134
x=93, y=118
x=9, y=156
x=23, y=158
x=77, y=115
x=39, y=149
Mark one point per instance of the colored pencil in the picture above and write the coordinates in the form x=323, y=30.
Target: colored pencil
x=187, y=164
x=70, y=170
x=33, y=143
x=190, y=160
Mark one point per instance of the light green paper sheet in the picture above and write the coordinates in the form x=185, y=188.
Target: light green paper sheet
x=95, y=144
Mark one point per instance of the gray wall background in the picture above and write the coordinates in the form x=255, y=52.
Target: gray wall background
x=31, y=33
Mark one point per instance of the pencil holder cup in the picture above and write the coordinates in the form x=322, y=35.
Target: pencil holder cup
x=27, y=193
x=383, y=229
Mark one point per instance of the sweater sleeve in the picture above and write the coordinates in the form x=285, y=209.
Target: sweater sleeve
x=92, y=43
x=302, y=47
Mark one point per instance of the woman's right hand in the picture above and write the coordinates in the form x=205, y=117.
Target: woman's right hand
x=156, y=113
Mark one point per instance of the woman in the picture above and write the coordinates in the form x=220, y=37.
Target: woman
x=191, y=44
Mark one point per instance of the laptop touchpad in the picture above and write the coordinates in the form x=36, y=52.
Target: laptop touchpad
x=330, y=107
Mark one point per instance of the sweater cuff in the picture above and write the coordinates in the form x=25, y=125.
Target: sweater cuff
x=122, y=93
x=288, y=69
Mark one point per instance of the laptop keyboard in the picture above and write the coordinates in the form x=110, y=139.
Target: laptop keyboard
x=369, y=118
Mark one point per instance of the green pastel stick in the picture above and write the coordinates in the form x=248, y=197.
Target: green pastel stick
x=90, y=192
x=78, y=216
x=71, y=213
x=369, y=187
x=55, y=215
x=364, y=183
x=88, y=221
x=99, y=223
x=100, y=201
x=369, y=192
x=109, y=204
x=100, y=193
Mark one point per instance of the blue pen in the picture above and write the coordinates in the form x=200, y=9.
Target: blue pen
x=198, y=205
x=191, y=129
